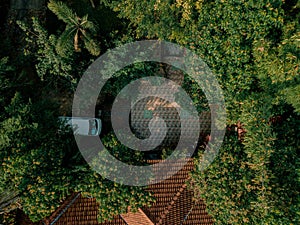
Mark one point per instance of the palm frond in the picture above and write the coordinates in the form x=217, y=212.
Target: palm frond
x=88, y=25
x=63, y=12
x=90, y=44
x=75, y=27
x=64, y=42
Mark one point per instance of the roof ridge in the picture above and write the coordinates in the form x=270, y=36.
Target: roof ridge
x=127, y=218
x=153, y=161
x=174, y=199
x=150, y=221
x=62, y=209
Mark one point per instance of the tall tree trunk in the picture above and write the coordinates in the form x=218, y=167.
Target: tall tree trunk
x=76, y=45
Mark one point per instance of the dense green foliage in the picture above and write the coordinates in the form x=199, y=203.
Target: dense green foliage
x=44, y=167
x=51, y=65
x=251, y=46
x=40, y=162
x=253, y=49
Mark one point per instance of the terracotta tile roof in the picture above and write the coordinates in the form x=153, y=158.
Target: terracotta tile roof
x=174, y=201
x=78, y=210
x=136, y=218
x=198, y=215
x=166, y=191
x=174, y=205
x=62, y=209
x=161, y=108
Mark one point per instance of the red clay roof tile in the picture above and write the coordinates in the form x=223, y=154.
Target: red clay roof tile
x=174, y=205
x=136, y=218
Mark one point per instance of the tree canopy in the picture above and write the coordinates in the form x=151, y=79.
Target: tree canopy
x=252, y=47
x=40, y=161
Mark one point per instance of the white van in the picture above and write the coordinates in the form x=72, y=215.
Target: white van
x=83, y=126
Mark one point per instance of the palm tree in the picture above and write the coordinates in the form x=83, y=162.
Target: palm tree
x=77, y=28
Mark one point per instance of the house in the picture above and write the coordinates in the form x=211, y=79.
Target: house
x=174, y=205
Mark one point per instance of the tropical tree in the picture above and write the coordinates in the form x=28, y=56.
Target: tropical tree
x=76, y=29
